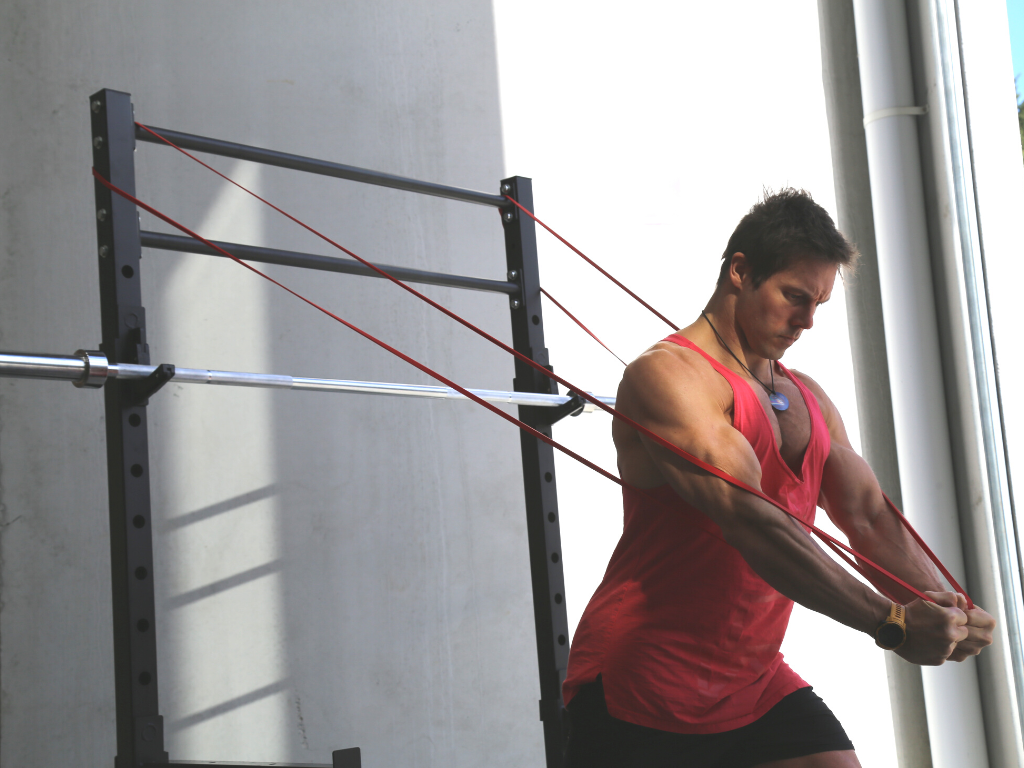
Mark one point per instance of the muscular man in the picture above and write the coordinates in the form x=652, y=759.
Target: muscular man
x=676, y=659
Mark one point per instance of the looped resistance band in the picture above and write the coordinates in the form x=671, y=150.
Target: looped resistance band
x=572, y=317
x=591, y=262
x=833, y=543
x=827, y=539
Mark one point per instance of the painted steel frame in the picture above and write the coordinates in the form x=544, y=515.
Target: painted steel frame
x=119, y=243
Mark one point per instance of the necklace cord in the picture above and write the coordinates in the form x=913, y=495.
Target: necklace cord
x=771, y=363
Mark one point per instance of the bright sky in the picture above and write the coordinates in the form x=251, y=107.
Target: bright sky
x=1015, y=9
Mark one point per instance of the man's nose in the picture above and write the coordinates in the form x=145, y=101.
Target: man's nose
x=805, y=319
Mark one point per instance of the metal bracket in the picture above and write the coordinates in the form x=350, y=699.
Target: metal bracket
x=140, y=391
x=137, y=349
x=576, y=405
x=150, y=729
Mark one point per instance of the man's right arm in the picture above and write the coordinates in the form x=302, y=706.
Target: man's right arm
x=668, y=394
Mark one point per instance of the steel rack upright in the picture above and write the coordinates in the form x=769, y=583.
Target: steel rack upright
x=120, y=241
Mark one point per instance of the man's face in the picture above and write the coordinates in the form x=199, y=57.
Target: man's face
x=773, y=315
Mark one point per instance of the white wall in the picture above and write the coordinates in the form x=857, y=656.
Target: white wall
x=376, y=546
x=648, y=136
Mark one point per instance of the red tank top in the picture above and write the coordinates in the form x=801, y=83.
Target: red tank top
x=682, y=631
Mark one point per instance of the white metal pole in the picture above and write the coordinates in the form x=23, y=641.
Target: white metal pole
x=845, y=109
x=955, y=724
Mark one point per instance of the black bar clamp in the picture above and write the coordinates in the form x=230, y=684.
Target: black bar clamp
x=141, y=390
x=574, y=406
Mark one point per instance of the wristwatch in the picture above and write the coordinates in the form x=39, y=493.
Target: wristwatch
x=892, y=632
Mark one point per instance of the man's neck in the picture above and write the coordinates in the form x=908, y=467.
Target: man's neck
x=720, y=315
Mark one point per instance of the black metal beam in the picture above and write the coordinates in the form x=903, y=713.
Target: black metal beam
x=139, y=725
x=340, y=758
x=167, y=242
x=233, y=764
x=312, y=165
x=552, y=625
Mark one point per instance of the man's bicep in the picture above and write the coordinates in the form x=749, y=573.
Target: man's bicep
x=717, y=444
x=673, y=400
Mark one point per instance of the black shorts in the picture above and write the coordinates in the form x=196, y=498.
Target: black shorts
x=801, y=724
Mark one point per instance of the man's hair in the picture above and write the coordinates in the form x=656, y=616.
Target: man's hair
x=783, y=228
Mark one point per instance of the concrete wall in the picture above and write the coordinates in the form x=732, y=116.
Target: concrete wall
x=332, y=571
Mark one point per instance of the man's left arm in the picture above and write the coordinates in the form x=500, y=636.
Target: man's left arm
x=853, y=499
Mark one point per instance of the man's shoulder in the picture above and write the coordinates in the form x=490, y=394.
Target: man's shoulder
x=666, y=361
x=667, y=369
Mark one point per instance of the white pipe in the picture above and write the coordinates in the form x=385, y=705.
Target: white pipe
x=973, y=396
x=952, y=696
x=845, y=110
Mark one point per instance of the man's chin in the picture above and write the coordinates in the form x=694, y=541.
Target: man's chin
x=782, y=348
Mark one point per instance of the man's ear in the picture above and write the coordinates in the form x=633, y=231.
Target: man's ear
x=739, y=269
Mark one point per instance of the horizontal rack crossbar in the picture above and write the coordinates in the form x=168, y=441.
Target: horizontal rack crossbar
x=312, y=165
x=167, y=242
x=91, y=369
x=232, y=764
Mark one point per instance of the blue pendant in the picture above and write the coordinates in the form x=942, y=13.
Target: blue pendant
x=779, y=401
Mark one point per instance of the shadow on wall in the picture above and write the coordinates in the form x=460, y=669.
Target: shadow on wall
x=364, y=580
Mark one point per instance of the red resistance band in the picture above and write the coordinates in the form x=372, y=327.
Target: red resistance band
x=581, y=325
x=591, y=262
x=836, y=545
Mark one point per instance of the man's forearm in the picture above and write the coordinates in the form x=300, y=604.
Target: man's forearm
x=855, y=502
x=887, y=542
x=783, y=555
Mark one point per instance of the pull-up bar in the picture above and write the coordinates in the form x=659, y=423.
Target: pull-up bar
x=166, y=242
x=312, y=165
x=92, y=370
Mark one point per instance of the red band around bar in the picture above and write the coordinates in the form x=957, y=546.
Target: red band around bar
x=833, y=543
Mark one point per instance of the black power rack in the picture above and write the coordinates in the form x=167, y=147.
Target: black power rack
x=140, y=740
